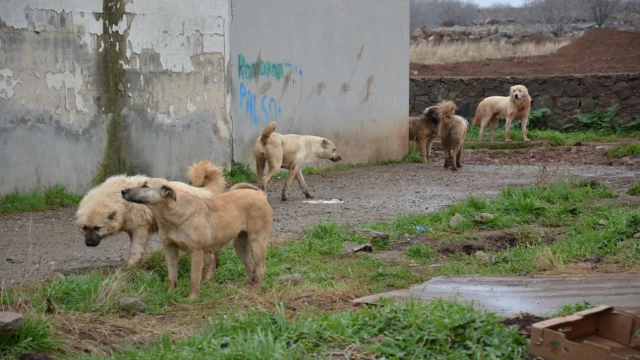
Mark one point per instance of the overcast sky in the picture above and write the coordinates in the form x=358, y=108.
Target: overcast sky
x=485, y=3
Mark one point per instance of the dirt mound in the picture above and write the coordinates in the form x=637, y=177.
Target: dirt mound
x=596, y=51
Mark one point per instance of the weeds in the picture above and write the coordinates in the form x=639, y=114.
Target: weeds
x=240, y=173
x=602, y=122
x=54, y=197
x=35, y=335
x=623, y=150
x=634, y=190
x=428, y=53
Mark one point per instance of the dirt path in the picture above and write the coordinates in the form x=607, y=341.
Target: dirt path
x=369, y=194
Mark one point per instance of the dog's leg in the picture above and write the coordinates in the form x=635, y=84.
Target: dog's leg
x=303, y=184
x=507, y=129
x=458, y=155
x=523, y=123
x=293, y=171
x=244, y=253
x=447, y=152
x=260, y=163
x=494, y=125
x=197, y=261
x=483, y=124
x=212, y=260
x=423, y=150
x=259, y=256
x=429, y=143
x=171, y=258
x=274, y=167
x=139, y=240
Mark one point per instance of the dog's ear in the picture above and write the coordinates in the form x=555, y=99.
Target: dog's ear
x=168, y=192
x=325, y=143
x=112, y=216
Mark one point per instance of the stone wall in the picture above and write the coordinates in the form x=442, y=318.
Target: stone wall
x=563, y=95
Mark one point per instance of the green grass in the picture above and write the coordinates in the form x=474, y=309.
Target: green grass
x=634, y=190
x=35, y=335
x=623, y=150
x=441, y=330
x=54, y=197
x=240, y=172
x=243, y=326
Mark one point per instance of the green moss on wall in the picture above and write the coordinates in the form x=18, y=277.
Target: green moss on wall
x=112, y=82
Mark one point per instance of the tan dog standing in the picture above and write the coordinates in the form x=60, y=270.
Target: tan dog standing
x=453, y=130
x=424, y=130
x=290, y=152
x=516, y=106
x=195, y=221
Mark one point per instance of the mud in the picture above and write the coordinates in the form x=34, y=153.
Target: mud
x=524, y=322
x=370, y=194
x=598, y=51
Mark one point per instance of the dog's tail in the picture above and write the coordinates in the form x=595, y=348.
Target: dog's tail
x=243, y=185
x=268, y=130
x=446, y=109
x=207, y=175
x=477, y=119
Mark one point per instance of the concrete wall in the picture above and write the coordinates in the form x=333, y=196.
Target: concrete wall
x=563, y=95
x=134, y=86
x=332, y=68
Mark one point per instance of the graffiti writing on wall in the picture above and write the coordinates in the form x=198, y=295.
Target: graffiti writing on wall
x=266, y=108
x=266, y=69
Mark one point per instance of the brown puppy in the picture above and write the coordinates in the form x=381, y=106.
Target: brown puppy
x=195, y=221
x=516, y=106
x=424, y=130
x=453, y=129
x=290, y=152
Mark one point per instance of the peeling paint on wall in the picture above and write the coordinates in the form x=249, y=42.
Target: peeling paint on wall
x=70, y=81
x=7, y=83
x=200, y=31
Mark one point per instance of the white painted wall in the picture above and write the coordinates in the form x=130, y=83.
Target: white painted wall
x=344, y=74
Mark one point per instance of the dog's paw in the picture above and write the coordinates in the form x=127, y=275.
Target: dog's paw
x=309, y=196
x=526, y=140
x=283, y=198
x=507, y=140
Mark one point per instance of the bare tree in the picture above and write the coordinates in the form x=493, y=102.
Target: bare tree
x=601, y=10
x=442, y=12
x=555, y=15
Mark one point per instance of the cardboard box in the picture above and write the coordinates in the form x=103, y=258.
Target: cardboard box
x=601, y=333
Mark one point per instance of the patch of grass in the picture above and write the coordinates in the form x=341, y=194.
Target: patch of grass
x=572, y=308
x=35, y=335
x=54, y=197
x=240, y=172
x=634, y=190
x=623, y=150
x=420, y=252
x=407, y=330
x=429, y=53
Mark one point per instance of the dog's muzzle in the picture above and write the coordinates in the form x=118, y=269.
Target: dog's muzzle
x=336, y=158
x=127, y=196
x=516, y=96
x=92, y=240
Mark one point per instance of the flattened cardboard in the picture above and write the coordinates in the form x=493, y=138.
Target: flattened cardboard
x=601, y=333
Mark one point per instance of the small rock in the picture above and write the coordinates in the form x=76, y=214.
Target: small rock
x=603, y=222
x=287, y=267
x=483, y=218
x=133, y=303
x=292, y=278
x=636, y=235
x=456, y=220
x=351, y=247
x=9, y=321
x=302, y=296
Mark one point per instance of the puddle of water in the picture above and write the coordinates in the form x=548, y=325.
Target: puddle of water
x=510, y=296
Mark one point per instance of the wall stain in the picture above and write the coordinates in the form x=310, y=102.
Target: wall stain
x=286, y=82
x=256, y=67
x=318, y=89
x=345, y=88
x=360, y=53
x=265, y=87
x=368, y=88
x=112, y=83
